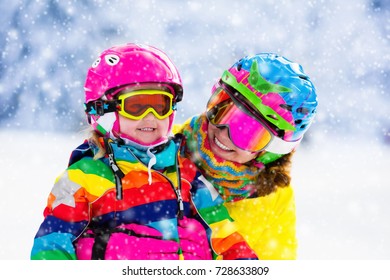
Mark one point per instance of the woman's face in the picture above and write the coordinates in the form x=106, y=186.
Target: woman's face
x=222, y=146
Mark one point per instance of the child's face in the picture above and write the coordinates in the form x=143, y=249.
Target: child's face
x=145, y=131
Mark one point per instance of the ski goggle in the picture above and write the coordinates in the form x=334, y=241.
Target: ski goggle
x=137, y=104
x=246, y=131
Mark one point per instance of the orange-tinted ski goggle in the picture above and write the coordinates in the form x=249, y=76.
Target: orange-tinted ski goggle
x=137, y=104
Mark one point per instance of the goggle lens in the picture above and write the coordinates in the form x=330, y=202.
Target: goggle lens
x=137, y=104
x=245, y=131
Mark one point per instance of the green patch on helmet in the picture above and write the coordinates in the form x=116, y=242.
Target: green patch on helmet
x=267, y=112
x=262, y=85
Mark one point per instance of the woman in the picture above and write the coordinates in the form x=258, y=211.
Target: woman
x=257, y=115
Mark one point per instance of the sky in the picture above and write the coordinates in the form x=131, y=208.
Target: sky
x=339, y=169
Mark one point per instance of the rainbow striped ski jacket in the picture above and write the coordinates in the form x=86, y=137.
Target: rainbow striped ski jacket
x=85, y=196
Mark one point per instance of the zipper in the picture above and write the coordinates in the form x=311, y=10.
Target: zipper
x=118, y=174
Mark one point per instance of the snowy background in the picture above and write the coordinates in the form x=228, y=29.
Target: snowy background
x=339, y=173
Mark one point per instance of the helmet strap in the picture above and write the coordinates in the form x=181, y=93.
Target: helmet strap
x=100, y=107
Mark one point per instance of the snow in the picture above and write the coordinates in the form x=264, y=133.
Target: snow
x=341, y=193
x=339, y=171
x=342, y=199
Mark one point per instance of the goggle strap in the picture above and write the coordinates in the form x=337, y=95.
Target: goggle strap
x=264, y=110
x=100, y=107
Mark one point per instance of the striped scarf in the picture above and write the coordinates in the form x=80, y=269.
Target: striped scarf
x=234, y=181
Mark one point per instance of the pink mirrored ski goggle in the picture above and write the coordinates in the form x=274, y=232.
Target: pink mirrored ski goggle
x=246, y=131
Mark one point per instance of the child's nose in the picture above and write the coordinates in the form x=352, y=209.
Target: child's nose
x=150, y=116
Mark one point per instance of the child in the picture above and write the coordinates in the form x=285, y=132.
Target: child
x=257, y=115
x=127, y=194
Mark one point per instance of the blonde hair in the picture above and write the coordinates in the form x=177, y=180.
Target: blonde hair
x=94, y=139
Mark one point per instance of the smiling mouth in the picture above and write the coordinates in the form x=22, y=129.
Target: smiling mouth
x=147, y=129
x=221, y=146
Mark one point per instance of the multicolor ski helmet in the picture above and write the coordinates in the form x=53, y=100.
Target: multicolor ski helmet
x=121, y=67
x=277, y=93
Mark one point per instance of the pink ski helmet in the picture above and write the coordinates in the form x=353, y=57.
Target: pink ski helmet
x=124, y=66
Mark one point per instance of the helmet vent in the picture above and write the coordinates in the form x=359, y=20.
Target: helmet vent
x=111, y=59
x=96, y=63
x=303, y=77
x=272, y=117
x=239, y=64
x=286, y=107
x=303, y=110
x=298, y=121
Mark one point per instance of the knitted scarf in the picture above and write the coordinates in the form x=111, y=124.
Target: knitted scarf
x=234, y=181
